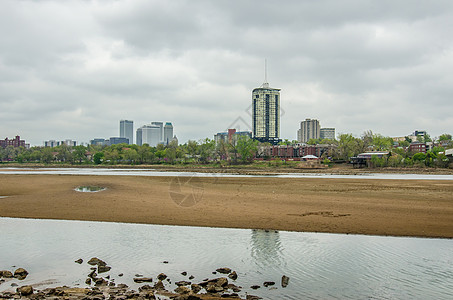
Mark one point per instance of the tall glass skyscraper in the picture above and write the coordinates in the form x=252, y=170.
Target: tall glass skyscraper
x=127, y=130
x=266, y=114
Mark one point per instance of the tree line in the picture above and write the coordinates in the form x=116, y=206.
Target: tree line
x=240, y=150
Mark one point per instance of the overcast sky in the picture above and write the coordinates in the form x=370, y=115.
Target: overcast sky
x=73, y=69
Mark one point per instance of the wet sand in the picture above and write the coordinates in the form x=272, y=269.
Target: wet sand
x=422, y=208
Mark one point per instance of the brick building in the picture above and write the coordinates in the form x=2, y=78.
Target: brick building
x=16, y=142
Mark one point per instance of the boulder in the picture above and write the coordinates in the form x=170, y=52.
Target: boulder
x=196, y=288
x=20, y=273
x=224, y=270
x=161, y=276
x=285, y=281
x=88, y=280
x=182, y=290
x=79, y=261
x=103, y=268
x=7, y=274
x=184, y=273
x=182, y=283
x=252, y=297
x=268, y=283
x=96, y=261
x=191, y=277
x=233, y=275
x=222, y=281
x=213, y=288
x=25, y=290
x=159, y=285
x=255, y=287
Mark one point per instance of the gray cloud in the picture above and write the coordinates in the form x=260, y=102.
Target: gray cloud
x=74, y=69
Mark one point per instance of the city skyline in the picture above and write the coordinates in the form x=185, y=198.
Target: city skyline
x=71, y=70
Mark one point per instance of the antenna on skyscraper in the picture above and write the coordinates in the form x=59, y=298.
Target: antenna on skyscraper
x=265, y=84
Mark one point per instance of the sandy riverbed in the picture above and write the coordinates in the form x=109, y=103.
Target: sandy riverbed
x=358, y=206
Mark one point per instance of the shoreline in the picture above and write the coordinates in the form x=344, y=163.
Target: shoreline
x=405, y=208
x=343, y=169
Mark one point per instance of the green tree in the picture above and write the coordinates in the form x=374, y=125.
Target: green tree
x=246, y=148
x=349, y=146
x=131, y=156
x=445, y=137
x=79, y=153
x=47, y=155
x=206, y=150
x=98, y=158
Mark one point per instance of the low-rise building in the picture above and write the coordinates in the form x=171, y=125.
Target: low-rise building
x=16, y=142
x=417, y=147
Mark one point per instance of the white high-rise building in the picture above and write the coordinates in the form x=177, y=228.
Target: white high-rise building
x=127, y=130
x=266, y=114
x=327, y=133
x=149, y=134
x=309, y=129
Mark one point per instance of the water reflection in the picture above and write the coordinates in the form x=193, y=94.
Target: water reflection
x=266, y=248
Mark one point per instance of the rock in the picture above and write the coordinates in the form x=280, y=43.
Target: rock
x=25, y=290
x=196, y=288
x=214, y=272
x=233, y=287
x=191, y=277
x=100, y=281
x=233, y=275
x=103, y=268
x=123, y=286
x=182, y=283
x=255, y=287
x=161, y=276
x=165, y=262
x=184, y=273
x=224, y=270
x=145, y=288
x=120, y=274
x=88, y=280
x=138, y=275
x=96, y=261
x=7, y=274
x=182, y=290
x=143, y=279
x=14, y=284
x=159, y=285
x=92, y=274
x=20, y=273
x=252, y=297
x=268, y=283
x=285, y=281
x=79, y=261
x=213, y=288
x=222, y=281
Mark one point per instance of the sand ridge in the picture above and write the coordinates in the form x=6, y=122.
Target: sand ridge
x=422, y=208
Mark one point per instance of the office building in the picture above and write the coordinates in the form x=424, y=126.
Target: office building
x=309, y=129
x=168, y=133
x=231, y=136
x=327, y=133
x=127, y=130
x=149, y=134
x=266, y=114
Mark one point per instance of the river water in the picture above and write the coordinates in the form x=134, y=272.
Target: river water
x=320, y=266
x=152, y=172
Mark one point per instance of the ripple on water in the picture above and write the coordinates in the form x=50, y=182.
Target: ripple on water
x=319, y=265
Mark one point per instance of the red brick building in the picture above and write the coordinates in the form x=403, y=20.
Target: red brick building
x=417, y=147
x=16, y=142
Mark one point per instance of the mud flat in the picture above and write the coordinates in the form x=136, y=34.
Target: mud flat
x=422, y=208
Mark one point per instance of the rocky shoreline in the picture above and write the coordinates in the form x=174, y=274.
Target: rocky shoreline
x=104, y=287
